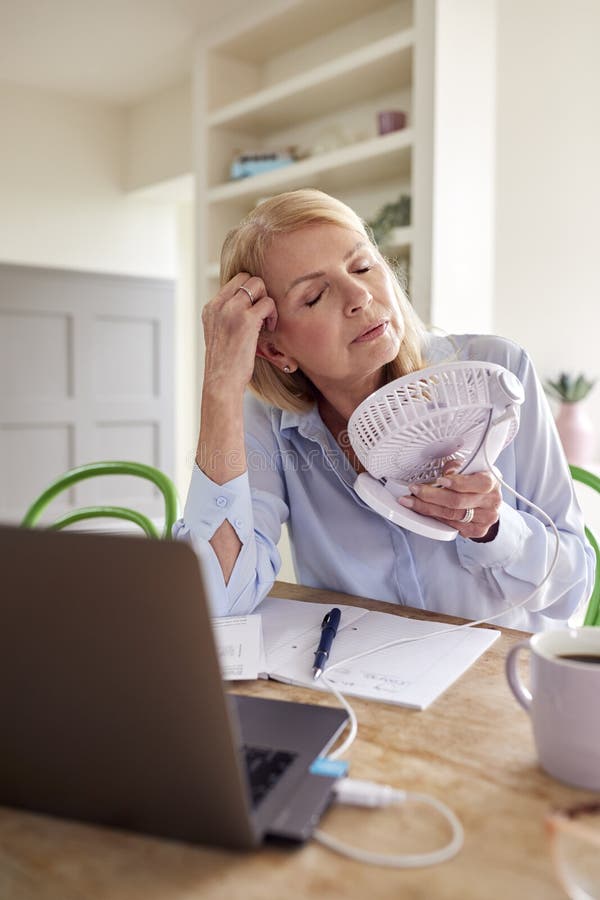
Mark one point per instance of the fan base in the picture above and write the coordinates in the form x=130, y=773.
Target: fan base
x=379, y=498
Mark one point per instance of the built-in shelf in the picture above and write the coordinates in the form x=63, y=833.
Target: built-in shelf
x=295, y=23
x=373, y=161
x=373, y=70
x=314, y=75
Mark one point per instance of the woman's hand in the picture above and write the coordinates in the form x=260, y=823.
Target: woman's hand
x=232, y=323
x=451, y=497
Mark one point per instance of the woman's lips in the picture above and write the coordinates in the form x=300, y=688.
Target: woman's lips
x=372, y=333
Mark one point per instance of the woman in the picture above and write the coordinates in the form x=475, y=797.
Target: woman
x=311, y=317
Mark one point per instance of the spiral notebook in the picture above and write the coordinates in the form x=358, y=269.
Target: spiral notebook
x=280, y=639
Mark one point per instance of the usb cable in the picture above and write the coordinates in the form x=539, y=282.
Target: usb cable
x=356, y=792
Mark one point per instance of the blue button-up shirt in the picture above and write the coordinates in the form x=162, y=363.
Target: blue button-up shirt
x=298, y=474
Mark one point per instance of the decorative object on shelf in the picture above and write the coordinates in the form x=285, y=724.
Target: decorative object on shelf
x=390, y=120
x=332, y=137
x=256, y=162
x=390, y=216
x=573, y=420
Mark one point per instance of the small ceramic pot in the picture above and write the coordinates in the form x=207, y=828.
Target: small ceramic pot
x=576, y=433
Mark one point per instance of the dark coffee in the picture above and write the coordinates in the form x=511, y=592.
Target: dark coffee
x=581, y=657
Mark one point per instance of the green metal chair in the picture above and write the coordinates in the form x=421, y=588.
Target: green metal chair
x=91, y=470
x=592, y=615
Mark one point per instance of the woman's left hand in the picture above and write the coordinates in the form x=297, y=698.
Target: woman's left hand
x=450, y=498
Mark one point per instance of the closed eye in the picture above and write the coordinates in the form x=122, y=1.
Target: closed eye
x=364, y=265
x=315, y=300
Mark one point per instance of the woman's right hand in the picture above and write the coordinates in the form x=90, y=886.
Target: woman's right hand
x=232, y=322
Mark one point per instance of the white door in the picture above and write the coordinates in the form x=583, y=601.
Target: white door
x=86, y=374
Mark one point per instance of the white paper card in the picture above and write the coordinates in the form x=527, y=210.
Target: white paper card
x=239, y=646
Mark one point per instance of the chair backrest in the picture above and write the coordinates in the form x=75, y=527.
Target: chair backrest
x=592, y=615
x=91, y=470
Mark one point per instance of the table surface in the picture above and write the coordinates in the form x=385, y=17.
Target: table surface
x=473, y=749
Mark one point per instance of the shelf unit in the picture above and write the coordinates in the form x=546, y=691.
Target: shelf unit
x=387, y=156
x=368, y=71
x=314, y=75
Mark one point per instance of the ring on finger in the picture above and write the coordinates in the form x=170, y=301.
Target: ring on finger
x=468, y=516
x=249, y=292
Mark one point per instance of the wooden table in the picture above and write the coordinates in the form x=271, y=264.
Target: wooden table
x=472, y=748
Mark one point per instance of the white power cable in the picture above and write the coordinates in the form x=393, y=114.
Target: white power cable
x=370, y=794
x=365, y=793
x=349, y=740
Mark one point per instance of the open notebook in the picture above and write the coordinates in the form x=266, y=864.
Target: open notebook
x=280, y=640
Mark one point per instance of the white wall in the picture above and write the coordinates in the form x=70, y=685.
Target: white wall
x=547, y=267
x=158, y=145
x=464, y=165
x=62, y=200
x=63, y=204
x=187, y=325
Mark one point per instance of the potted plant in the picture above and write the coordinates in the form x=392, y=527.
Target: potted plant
x=391, y=216
x=573, y=421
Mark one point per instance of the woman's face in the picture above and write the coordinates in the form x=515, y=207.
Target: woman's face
x=338, y=317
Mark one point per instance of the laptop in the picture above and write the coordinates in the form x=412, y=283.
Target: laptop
x=113, y=706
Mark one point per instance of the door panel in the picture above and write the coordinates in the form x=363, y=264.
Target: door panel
x=86, y=374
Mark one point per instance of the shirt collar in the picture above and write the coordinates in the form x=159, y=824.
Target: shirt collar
x=440, y=348
x=309, y=424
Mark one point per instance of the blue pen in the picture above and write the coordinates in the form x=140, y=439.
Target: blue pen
x=329, y=627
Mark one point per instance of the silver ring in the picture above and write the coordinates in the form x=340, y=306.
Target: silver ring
x=249, y=292
x=468, y=516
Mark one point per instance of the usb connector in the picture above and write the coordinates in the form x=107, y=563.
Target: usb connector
x=356, y=792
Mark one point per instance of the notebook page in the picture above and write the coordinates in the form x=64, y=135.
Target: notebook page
x=292, y=629
x=410, y=674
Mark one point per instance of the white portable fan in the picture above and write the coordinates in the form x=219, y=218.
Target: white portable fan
x=405, y=433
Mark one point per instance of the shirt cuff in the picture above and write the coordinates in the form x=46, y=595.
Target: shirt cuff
x=208, y=505
x=508, y=543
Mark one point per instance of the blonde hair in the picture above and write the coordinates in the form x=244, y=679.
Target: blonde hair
x=245, y=249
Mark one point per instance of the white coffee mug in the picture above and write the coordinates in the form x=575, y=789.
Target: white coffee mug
x=564, y=701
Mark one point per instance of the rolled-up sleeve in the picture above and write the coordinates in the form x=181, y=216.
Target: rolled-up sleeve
x=255, y=513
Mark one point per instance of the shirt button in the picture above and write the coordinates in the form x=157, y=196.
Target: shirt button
x=221, y=501
x=238, y=523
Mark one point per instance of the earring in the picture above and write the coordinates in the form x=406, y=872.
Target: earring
x=287, y=370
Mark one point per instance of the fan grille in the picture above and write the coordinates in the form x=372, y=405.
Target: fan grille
x=409, y=429
x=419, y=451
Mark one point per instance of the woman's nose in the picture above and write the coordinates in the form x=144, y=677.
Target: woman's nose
x=356, y=297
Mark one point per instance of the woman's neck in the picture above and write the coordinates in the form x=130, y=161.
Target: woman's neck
x=338, y=404
x=332, y=417
x=337, y=424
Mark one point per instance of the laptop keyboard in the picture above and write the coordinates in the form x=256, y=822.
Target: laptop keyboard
x=265, y=767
